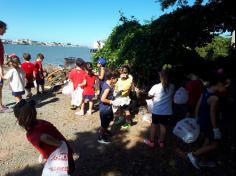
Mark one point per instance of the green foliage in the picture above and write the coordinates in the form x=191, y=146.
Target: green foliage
x=219, y=47
x=172, y=38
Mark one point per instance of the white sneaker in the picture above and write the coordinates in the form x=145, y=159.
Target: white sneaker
x=89, y=112
x=193, y=160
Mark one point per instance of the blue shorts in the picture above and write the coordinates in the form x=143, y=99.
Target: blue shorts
x=40, y=82
x=16, y=94
x=88, y=97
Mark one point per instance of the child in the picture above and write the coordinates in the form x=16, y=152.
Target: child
x=162, y=95
x=101, y=64
x=123, y=87
x=16, y=76
x=105, y=106
x=28, y=68
x=207, y=112
x=41, y=134
x=39, y=72
x=89, y=92
x=78, y=77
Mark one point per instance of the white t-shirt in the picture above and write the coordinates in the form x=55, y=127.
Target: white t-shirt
x=17, y=79
x=162, y=101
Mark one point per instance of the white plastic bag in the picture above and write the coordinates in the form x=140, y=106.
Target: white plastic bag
x=57, y=163
x=187, y=129
x=68, y=89
x=77, y=96
x=149, y=105
x=181, y=96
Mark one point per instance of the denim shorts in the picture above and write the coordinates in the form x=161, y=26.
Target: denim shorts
x=88, y=97
x=16, y=94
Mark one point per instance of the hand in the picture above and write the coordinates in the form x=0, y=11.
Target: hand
x=217, y=133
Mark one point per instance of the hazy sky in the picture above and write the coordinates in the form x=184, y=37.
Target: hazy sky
x=76, y=21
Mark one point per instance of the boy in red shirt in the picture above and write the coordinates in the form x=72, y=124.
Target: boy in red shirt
x=77, y=77
x=28, y=68
x=88, y=93
x=39, y=72
x=41, y=134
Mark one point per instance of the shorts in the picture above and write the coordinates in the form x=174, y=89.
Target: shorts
x=125, y=108
x=88, y=97
x=29, y=85
x=106, y=117
x=160, y=119
x=16, y=94
x=1, y=82
x=40, y=82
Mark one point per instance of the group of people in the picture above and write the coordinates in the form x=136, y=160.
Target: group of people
x=113, y=92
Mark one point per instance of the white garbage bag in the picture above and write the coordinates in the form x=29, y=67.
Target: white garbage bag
x=181, y=96
x=149, y=105
x=68, y=89
x=57, y=163
x=187, y=129
x=77, y=97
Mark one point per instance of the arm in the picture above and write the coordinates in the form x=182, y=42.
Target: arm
x=1, y=72
x=102, y=73
x=198, y=106
x=104, y=97
x=83, y=83
x=47, y=139
x=213, y=101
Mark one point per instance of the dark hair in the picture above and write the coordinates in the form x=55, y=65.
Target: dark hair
x=165, y=79
x=89, y=68
x=112, y=74
x=27, y=56
x=80, y=62
x=2, y=24
x=40, y=55
x=125, y=67
x=26, y=114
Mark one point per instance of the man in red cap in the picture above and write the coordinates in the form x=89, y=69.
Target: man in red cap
x=3, y=27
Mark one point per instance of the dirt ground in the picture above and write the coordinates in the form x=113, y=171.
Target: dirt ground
x=125, y=156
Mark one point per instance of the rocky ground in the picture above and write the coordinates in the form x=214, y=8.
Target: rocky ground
x=126, y=156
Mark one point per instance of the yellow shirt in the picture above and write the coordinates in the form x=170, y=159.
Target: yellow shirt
x=124, y=85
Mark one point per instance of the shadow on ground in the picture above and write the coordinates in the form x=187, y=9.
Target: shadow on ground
x=124, y=157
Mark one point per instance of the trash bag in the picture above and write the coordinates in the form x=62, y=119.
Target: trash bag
x=77, y=97
x=149, y=105
x=187, y=129
x=57, y=163
x=181, y=96
x=68, y=89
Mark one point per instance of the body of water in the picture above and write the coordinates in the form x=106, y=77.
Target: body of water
x=53, y=54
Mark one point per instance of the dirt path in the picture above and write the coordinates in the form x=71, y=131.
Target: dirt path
x=127, y=155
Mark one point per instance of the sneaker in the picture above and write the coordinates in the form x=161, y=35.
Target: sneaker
x=119, y=121
x=126, y=126
x=89, y=112
x=5, y=109
x=149, y=143
x=73, y=107
x=103, y=140
x=161, y=144
x=108, y=133
x=193, y=160
x=80, y=113
x=207, y=164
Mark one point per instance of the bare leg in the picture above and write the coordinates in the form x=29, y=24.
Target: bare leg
x=37, y=88
x=162, y=132
x=82, y=107
x=153, y=132
x=206, y=149
x=91, y=106
x=18, y=98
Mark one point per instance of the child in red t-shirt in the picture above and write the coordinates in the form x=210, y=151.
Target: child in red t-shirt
x=39, y=72
x=77, y=77
x=28, y=68
x=41, y=134
x=89, y=92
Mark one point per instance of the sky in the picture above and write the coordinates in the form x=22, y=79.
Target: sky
x=72, y=21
